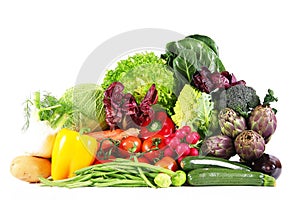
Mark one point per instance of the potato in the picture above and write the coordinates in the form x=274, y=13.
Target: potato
x=30, y=168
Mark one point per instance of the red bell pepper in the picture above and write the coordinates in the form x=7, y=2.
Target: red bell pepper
x=160, y=124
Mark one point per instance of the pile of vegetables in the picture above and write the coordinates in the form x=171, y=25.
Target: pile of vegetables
x=174, y=119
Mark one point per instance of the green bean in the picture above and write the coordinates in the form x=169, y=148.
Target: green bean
x=94, y=169
x=99, y=173
x=99, y=179
x=145, y=178
x=64, y=182
x=130, y=185
x=124, y=169
x=82, y=170
x=121, y=183
x=119, y=176
x=85, y=177
x=151, y=174
x=79, y=184
x=132, y=177
x=145, y=166
x=104, y=180
x=119, y=173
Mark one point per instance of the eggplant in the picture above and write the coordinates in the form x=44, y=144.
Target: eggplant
x=267, y=164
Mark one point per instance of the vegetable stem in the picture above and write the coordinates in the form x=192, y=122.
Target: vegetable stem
x=269, y=181
x=145, y=178
x=122, y=183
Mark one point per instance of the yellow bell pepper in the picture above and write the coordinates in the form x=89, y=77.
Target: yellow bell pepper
x=71, y=151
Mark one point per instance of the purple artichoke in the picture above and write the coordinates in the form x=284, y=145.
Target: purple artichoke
x=263, y=121
x=249, y=145
x=220, y=146
x=231, y=123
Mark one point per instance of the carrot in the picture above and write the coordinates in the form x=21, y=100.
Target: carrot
x=117, y=134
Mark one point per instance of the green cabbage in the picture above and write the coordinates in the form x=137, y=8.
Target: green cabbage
x=80, y=108
x=87, y=107
x=193, y=108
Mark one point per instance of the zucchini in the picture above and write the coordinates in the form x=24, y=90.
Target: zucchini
x=193, y=162
x=228, y=177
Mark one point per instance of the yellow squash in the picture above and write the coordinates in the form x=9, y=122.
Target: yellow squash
x=71, y=151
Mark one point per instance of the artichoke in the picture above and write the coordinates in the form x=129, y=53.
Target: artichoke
x=220, y=146
x=249, y=145
x=263, y=121
x=231, y=123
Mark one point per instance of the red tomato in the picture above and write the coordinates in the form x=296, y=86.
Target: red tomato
x=122, y=153
x=167, y=163
x=104, y=159
x=131, y=144
x=143, y=159
x=153, y=156
x=153, y=143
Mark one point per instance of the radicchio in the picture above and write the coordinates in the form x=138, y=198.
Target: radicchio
x=122, y=110
x=207, y=82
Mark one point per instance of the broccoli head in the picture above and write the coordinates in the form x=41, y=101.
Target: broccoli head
x=242, y=99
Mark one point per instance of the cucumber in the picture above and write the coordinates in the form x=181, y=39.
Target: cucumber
x=194, y=162
x=228, y=177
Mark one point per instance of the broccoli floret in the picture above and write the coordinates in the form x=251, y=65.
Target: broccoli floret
x=242, y=99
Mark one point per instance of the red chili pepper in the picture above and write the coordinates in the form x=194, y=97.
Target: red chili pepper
x=161, y=124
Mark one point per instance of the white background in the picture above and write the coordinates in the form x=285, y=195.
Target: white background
x=44, y=43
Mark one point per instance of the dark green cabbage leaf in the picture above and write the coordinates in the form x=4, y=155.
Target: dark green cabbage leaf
x=188, y=55
x=207, y=40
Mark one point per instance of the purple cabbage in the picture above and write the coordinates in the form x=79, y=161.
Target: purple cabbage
x=207, y=82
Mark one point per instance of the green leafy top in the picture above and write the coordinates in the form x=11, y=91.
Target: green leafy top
x=80, y=107
x=46, y=107
x=270, y=98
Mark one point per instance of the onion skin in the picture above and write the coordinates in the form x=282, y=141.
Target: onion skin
x=39, y=139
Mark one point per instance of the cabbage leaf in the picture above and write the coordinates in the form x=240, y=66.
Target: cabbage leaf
x=195, y=109
x=87, y=107
x=191, y=53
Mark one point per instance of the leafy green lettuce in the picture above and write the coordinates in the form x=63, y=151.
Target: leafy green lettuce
x=124, y=66
x=195, y=109
x=138, y=72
